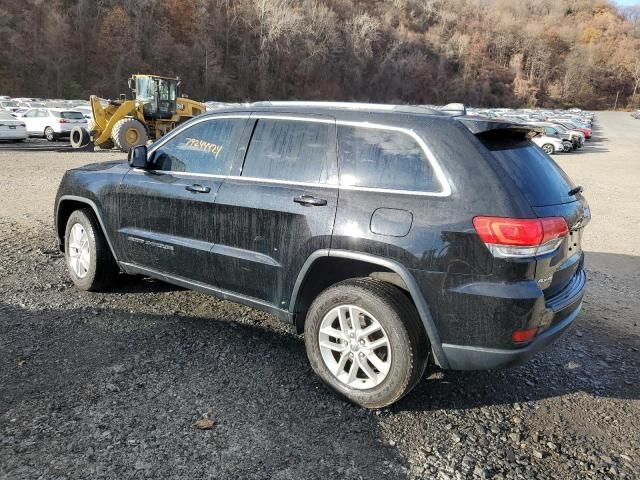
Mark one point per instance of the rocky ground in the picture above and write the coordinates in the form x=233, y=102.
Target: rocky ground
x=112, y=385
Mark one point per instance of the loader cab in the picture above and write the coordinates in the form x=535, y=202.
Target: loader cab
x=157, y=94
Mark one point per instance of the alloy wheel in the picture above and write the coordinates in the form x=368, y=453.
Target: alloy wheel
x=79, y=252
x=355, y=347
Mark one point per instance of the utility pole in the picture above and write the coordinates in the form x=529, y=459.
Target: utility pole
x=206, y=70
x=615, y=105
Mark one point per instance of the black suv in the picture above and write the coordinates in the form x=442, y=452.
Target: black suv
x=393, y=236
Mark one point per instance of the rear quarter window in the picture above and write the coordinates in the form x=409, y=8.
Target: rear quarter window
x=385, y=159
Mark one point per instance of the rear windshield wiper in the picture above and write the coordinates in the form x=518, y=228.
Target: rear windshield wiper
x=575, y=191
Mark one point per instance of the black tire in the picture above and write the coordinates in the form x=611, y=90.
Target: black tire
x=548, y=148
x=50, y=135
x=399, y=318
x=79, y=137
x=128, y=133
x=102, y=269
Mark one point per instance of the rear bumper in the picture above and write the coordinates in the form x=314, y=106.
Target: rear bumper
x=13, y=134
x=565, y=305
x=463, y=357
x=65, y=128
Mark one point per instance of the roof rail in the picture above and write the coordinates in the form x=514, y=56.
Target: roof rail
x=347, y=105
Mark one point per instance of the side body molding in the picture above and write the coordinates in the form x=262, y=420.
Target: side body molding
x=93, y=206
x=409, y=280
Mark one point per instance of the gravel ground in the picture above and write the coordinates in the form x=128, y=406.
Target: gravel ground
x=111, y=385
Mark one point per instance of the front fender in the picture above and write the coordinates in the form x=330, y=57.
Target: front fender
x=95, y=186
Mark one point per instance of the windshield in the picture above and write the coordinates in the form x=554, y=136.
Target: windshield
x=9, y=104
x=145, y=91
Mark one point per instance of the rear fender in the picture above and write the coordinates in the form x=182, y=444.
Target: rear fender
x=407, y=278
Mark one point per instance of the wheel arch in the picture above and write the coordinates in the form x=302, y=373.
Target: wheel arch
x=66, y=205
x=345, y=264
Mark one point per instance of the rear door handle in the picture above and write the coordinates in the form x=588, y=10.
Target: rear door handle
x=310, y=201
x=198, y=188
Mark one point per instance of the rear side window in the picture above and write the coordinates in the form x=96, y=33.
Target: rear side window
x=386, y=159
x=206, y=147
x=290, y=150
x=539, y=178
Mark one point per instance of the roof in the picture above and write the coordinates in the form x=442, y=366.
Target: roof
x=339, y=110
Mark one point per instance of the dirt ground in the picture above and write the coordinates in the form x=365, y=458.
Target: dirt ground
x=110, y=385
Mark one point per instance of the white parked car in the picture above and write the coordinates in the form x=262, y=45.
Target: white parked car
x=11, y=128
x=52, y=123
x=550, y=145
x=9, y=105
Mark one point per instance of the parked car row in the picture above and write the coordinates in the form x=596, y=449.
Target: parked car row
x=555, y=131
x=21, y=118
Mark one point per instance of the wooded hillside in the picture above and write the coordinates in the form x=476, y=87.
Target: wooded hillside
x=481, y=52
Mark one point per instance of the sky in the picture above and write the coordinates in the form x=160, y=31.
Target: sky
x=627, y=2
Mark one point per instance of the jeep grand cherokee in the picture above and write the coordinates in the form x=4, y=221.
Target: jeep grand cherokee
x=394, y=237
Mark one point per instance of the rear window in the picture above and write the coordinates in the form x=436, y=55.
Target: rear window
x=72, y=115
x=540, y=179
x=388, y=159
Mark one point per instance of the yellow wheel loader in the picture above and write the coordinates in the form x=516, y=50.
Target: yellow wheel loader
x=155, y=109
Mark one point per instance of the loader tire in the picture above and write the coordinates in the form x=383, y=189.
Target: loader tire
x=128, y=133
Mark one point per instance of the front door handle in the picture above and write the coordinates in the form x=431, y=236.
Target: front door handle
x=310, y=201
x=198, y=188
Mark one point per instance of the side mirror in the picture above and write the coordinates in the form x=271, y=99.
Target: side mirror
x=138, y=157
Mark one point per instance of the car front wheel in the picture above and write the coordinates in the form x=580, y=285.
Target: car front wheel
x=87, y=255
x=364, y=339
x=548, y=148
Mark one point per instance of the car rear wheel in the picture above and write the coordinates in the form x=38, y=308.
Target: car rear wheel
x=89, y=260
x=364, y=339
x=50, y=135
x=548, y=148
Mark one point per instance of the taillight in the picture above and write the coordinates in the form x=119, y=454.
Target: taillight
x=62, y=120
x=521, y=237
x=523, y=336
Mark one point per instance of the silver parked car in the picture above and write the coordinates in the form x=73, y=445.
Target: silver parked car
x=11, y=128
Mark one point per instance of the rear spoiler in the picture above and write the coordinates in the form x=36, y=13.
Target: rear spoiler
x=500, y=134
x=482, y=125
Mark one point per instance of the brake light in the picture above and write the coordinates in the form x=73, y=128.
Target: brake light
x=62, y=120
x=521, y=237
x=524, y=336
